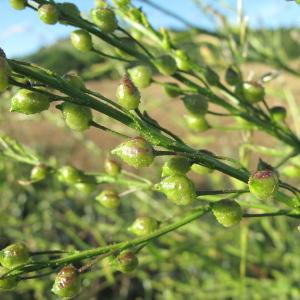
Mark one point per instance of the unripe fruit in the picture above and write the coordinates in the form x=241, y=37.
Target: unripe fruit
x=112, y=167
x=49, y=14
x=127, y=94
x=227, y=212
x=141, y=76
x=183, y=61
x=196, y=123
x=77, y=117
x=67, y=283
x=172, y=89
x=165, y=64
x=85, y=188
x=211, y=76
x=100, y=3
x=68, y=9
x=109, y=199
x=291, y=171
x=201, y=170
x=178, y=188
x=18, y=4
x=121, y=3
x=253, y=91
x=136, y=152
x=69, y=175
x=14, y=255
x=264, y=184
x=278, y=113
x=4, y=74
x=143, y=226
x=126, y=261
x=81, y=40
x=196, y=104
x=7, y=283
x=232, y=76
x=177, y=165
x=29, y=102
x=105, y=19
x=38, y=173
x=75, y=80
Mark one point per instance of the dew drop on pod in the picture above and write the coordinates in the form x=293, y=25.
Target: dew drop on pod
x=196, y=123
x=126, y=261
x=69, y=175
x=18, y=4
x=112, y=167
x=49, y=14
x=253, y=91
x=165, y=64
x=137, y=152
x=29, y=102
x=4, y=74
x=227, y=212
x=172, y=89
x=77, y=117
x=143, y=226
x=81, y=40
x=182, y=60
x=67, y=283
x=178, y=188
x=9, y=283
x=14, y=255
x=109, y=198
x=196, y=104
x=128, y=95
x=176, y=165
x=38, y=173
x=278, y=113
x=105, y=19
x=264, y=184
x=141, y=76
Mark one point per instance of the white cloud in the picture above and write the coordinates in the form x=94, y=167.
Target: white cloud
x=14, y=30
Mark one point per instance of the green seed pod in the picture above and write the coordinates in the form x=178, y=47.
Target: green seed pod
x=109, y=199
x=177, y=165
x=178, y=188
x=48, y=13
x=136, y=152
x=201, y=170
x=128, y=95
x=9, y=283
x=196, y=123
x=18, y=4
x=100, y=3
x=211, y=76
x=68, y=9
x=81, y=40
x=14, y=255
x=278, y=113
x=141, y=76
x=4, y=74
x=112, y=167
x=172, y=89
x=253, y=91
x=143, y=226
x=75, y=80
x=85, y=188
x=105, y=19
x=196, y=104
x=165, y=64
x=67, y=283
x=29, y=102
x=291, y=171
x=227, y=212
x=69, y=175
x=232, y=76
x=77, y=117
x=39, y=173
x=264, y=184
x=122, y=3
x=183, y=61
x=126, y=261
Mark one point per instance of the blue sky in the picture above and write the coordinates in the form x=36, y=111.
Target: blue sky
x=22, y=32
